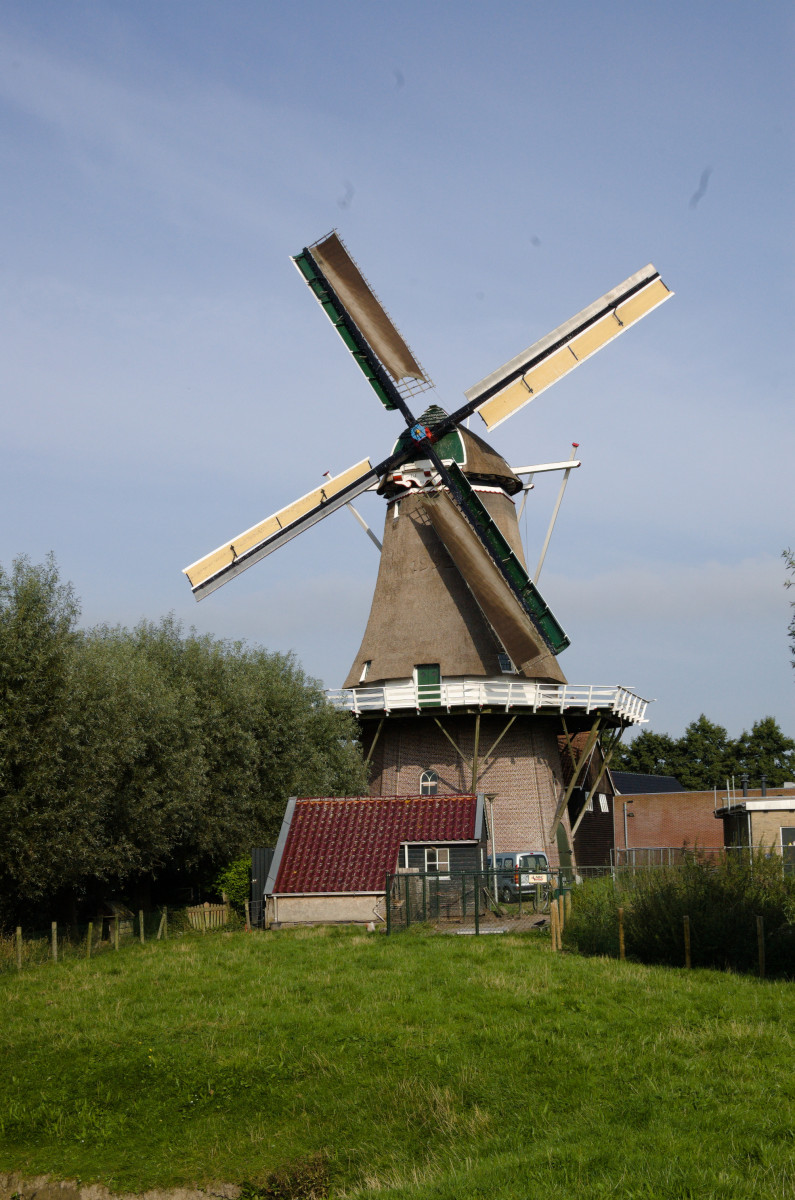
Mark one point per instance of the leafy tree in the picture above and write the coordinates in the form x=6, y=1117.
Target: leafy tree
x=649, y=754
x=789, y=559
x=132, y=756
x=38, y=616
x=704, y=755
x=765, y=751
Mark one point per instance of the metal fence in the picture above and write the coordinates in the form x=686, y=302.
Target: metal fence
x=470, y=902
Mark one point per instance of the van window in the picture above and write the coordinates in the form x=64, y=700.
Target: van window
x=499, y=862
x=508, y=863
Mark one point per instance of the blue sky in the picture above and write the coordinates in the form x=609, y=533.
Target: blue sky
x=167, y=380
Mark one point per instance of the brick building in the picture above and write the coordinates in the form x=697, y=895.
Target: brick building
x=671, y=819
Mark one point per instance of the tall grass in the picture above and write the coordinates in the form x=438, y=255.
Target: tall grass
x=403, y=1067
x=722, y=897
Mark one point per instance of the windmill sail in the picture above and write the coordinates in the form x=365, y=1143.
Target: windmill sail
x=519, y=634
x=519, y=381
x=362, y=321
x=234, y=557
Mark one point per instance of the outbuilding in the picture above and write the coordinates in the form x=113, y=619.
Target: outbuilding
x=333, y=854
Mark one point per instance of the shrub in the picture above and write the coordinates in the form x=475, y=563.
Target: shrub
x=592, y=926
x=721, y=896
x=235, y=881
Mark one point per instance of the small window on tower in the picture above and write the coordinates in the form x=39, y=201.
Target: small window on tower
x=603, y=802
x=506, y=666
x=429, y=783
x=365, y=670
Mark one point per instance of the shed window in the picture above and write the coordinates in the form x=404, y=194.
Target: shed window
x=437, y=860
x=429, y=783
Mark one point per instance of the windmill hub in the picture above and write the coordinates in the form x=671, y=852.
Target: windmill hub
x=460, y=650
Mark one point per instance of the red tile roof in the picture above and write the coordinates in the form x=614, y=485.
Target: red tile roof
x=336, y=845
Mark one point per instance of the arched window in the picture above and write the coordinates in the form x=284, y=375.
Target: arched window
x=429, y=783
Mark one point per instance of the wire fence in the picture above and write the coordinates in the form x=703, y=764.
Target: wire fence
x=472, y=902
x=109, y=933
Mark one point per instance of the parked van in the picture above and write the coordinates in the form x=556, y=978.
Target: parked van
x=521, y=872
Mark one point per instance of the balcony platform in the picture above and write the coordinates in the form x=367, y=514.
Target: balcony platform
x=493, y=695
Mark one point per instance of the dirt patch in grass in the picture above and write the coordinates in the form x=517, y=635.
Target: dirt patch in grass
x=44, y=1187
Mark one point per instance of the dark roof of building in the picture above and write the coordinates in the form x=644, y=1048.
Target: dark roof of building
x=348, y=845
x=630, y=783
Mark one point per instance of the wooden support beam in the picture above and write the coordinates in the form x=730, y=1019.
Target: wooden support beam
x=373, y=742
x=564, y=800
x=457, y=749
x=475, y=754
x=606, y=757
x=495, y=744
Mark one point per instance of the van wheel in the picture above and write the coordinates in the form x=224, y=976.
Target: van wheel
x=505, y=895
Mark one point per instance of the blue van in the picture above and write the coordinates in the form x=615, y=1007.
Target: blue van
x=522, y=873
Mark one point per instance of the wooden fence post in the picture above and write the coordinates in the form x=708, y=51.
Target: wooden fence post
x=165, y=922
x=553, y=924
x=248, y=917
x=141, y=925
x=54, y=940
x=116, y=932
x=19, y=947
x=204, y=916
x=89, y=938
x=568, y=904
x=622, y=953
x=760, y=938
x=686, y=923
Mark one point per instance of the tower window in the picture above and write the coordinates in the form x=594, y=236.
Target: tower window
x=506, y=666
x=365, y=670
x=429, y=783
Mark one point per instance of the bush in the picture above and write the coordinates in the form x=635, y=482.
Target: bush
x=235, y=881
x=592, y=926
x=722, y=897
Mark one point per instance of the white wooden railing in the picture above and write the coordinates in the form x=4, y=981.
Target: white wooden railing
x=494, y=693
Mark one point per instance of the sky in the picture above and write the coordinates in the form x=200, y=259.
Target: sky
x=167, y=380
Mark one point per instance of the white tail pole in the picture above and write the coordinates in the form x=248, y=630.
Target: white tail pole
x=566, y=473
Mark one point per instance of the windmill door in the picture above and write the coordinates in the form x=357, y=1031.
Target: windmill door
x=429, y=685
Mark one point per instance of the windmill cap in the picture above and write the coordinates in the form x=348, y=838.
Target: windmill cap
x=479, y=461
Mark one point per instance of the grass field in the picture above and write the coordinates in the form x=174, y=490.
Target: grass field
x=416, y=1066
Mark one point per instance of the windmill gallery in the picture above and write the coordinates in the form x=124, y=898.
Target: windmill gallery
x=456, y=685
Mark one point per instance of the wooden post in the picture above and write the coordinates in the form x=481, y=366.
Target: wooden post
x=116, y=932
x=561, y=914
x=248, y=917
x=553, y=924
x=204, y=916
x=19, y=947
x=760, y=938
x=160, y=926
x=89, y=938
x=165, y=922
x=686, y=923
x=54, y=940
x=141, y=925
x=622, y=952
x=568, y=904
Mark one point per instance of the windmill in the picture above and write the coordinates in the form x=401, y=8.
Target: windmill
x=460, y=650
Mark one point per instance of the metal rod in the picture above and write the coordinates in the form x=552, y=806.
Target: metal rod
x=365, y=527
x=565, y=480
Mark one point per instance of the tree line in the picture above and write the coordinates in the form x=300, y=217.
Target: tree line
x=705, y=756
x=145, y=758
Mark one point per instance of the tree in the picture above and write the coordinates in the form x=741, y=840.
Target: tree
x=765, y=751
x=704, y=755
x=649, y=754
x=132, y=756
x=38, y=617
x=789, y=559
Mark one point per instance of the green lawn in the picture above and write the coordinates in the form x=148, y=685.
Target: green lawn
x=445, y=1067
